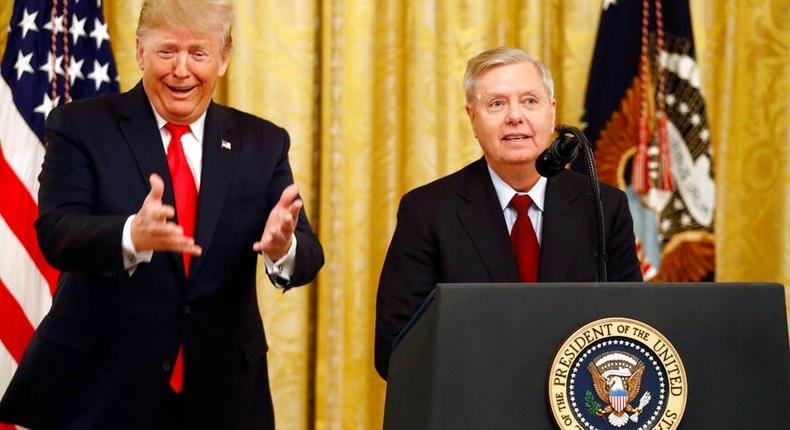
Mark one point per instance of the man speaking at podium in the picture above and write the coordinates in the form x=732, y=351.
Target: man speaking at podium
x=497, y=219
x=155, y=205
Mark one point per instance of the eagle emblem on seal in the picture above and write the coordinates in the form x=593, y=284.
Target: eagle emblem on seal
x=617, y=377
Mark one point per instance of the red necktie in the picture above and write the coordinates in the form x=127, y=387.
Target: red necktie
x=184, y=188
x=524, y=240
x=185, y=193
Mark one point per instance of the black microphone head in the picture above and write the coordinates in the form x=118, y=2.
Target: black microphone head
x=561, y=152
x=548, y=165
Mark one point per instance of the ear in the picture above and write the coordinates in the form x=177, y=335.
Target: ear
x=472, y=114
x=139, y=52
x=224, y=58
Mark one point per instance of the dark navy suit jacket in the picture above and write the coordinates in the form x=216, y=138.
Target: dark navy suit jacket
x=453, y=230
x=102, y=356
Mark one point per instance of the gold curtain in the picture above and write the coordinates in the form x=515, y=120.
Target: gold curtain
x=371, y=95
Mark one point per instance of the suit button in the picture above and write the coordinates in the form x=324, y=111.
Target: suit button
x=166, y=365
x=187, y=309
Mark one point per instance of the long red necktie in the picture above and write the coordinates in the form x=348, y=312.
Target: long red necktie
x=185, y=193
x=524, y=240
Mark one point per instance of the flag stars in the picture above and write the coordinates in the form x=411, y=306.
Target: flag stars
x=678, y=204
x=77, y=29
x=99, y=32
x=55, y=24
x=695, y=119
x=52, y=66
x=683, y=108
x=99, y=74
x=685, y=220
x=23, y=64
x=671, y=99
x=28, y=22
x=75, y=71
x=704, y=135
x=46, y=105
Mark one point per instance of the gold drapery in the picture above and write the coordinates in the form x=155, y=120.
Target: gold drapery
x=371, y=95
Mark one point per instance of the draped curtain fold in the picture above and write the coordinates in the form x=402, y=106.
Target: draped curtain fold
x=371, y=95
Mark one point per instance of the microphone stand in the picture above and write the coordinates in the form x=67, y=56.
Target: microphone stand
x=553, y=160
x=592, y=175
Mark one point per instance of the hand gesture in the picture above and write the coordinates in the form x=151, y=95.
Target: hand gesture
x=151, y=229
x=277, y=235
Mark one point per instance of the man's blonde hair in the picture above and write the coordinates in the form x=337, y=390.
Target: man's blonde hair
x=502, y=56
x=200, y=16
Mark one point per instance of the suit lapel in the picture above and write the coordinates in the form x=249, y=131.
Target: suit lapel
x=138, y=126
x=481, y=217
x=560, y=228
x=219, y=163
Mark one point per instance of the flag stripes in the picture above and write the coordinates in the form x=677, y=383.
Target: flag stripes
x=46, y=61
x=21, y=279
x=15, y=331
x=21, y=147
x=19, y=212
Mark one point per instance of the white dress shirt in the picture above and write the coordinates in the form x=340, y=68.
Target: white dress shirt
x=192, y=144
x=505, y=193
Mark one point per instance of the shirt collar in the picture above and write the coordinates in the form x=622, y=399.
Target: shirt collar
x=196, y=128
x=505, y=192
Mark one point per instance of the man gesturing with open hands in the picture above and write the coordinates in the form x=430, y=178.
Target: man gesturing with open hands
x=278, y=233
x=151, y=229
x=155, y=205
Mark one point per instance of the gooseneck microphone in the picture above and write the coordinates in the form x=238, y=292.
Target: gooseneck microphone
x=562, y=151
x=553, y=160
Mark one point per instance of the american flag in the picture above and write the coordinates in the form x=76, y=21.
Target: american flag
x=57, y=50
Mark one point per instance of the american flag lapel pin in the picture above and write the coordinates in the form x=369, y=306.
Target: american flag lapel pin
x=225, y=144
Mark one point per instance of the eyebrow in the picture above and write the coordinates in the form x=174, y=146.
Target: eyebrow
x=166, y=44
x=503, y=95
x=169, y=44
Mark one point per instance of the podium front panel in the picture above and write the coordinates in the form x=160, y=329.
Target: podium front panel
x=479, y=355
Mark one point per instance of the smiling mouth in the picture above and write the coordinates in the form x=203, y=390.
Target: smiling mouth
x=181, y=90
x=516, y=137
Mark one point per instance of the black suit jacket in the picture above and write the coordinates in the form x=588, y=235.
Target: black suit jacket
x=453, y=230
x=102, y=357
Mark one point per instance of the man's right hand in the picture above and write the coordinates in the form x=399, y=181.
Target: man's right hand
x=151, y=229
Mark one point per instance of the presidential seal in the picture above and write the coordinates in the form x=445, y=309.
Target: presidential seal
x=617, y=373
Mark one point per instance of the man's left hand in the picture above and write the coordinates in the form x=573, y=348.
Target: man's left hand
x=278, y=233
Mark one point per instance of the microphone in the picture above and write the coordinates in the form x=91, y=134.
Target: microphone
x=562, y=151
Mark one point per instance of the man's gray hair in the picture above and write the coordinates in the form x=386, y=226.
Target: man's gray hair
x=502, y=56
